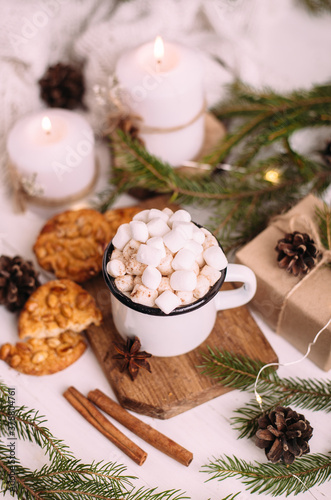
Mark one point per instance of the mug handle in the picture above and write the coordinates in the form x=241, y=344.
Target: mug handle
x=234, y=298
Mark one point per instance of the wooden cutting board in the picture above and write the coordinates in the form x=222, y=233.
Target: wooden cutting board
x=176, y=384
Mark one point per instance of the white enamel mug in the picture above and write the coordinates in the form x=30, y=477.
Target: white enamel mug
x=186, y=327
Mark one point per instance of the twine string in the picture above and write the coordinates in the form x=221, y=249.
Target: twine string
x=21, y=197
x=310, y=345
x=308, y=226
x=303, y=484
x=120, y=110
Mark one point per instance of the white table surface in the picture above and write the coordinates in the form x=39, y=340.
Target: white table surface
x=204, y=430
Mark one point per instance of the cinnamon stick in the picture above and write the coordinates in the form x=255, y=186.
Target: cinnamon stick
x=99, y=421
x=138, y=427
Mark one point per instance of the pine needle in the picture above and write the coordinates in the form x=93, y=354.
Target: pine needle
x=273, y=479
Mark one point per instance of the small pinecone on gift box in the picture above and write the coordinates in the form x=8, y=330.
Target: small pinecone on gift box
x=296, y=253
x=62, y=86
x=284, y=434
x=18, y=279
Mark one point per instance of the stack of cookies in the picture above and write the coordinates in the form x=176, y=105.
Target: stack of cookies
x=51, y=324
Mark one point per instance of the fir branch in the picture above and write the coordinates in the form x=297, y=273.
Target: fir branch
x=29, y=426
x=65, y=477
x=232, y=496
x=269, y=117
x=240, y=372
x=274, y=479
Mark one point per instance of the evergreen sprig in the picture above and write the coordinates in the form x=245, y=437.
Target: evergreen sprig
x=64, y=477
x=240, y=372
x=241, y=200
x=267, y=117
x=274, y=479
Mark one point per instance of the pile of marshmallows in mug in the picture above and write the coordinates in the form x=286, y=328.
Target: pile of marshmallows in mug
x=162, y=259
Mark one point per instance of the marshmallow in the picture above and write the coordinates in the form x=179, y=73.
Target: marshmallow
x=137, y=280
x=184, y=281
x=200, y=260
x=165, y=266
x=180, y=215
x=161, y=258
x=184, y=259
x=167, y=301
x=142, y=216
x=164, y=285
x=122, y=236
x=135, y=267
x=151, y=277
x=174, y=240
x=185, y=297
x=202, y=287
x=211, y=274
x=143, y=295
x=155, y=212
x=168, y=211
x=116, y=254
x=149, y=255
x=139, y=231
x=157, y=242
x=116, y=268
x=186, y=228
x=210, y=239
x=157, y=227
x=194, y=247
x=214, y=257
x=130, y=249
x=196, y=268
x=125, y=283
x=198, y=235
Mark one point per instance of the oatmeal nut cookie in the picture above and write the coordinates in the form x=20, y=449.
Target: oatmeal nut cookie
x=119, y=216
x=72, y=243
x=44, y=356
x=55, y=307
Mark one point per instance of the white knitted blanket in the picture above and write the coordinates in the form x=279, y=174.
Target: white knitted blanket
x=263, y=42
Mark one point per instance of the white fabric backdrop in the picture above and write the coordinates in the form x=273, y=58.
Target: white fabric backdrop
x=264, y=43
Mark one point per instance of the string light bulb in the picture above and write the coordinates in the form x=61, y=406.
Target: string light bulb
x=273, y=176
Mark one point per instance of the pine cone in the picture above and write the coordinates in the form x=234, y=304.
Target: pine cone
x=62, y=86
x=297, y=253
x=284, y=434
x=18, y=279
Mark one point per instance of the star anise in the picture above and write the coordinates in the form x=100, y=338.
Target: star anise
x=131, y=357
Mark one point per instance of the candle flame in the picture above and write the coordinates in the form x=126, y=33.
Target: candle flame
x=158, y=49
x=46, y=125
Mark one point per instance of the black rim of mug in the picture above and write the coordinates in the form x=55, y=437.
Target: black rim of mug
x=155, y=311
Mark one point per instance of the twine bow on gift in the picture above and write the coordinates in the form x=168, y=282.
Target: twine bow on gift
x=303, y=223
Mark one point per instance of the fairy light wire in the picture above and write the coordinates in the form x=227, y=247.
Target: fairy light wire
x=259, y=398
x=257, y=395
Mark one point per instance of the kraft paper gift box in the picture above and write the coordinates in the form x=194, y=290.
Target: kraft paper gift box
x=297, y=308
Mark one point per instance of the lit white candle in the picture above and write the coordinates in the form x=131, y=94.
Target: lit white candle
x=57, y=147
x=164, y=87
